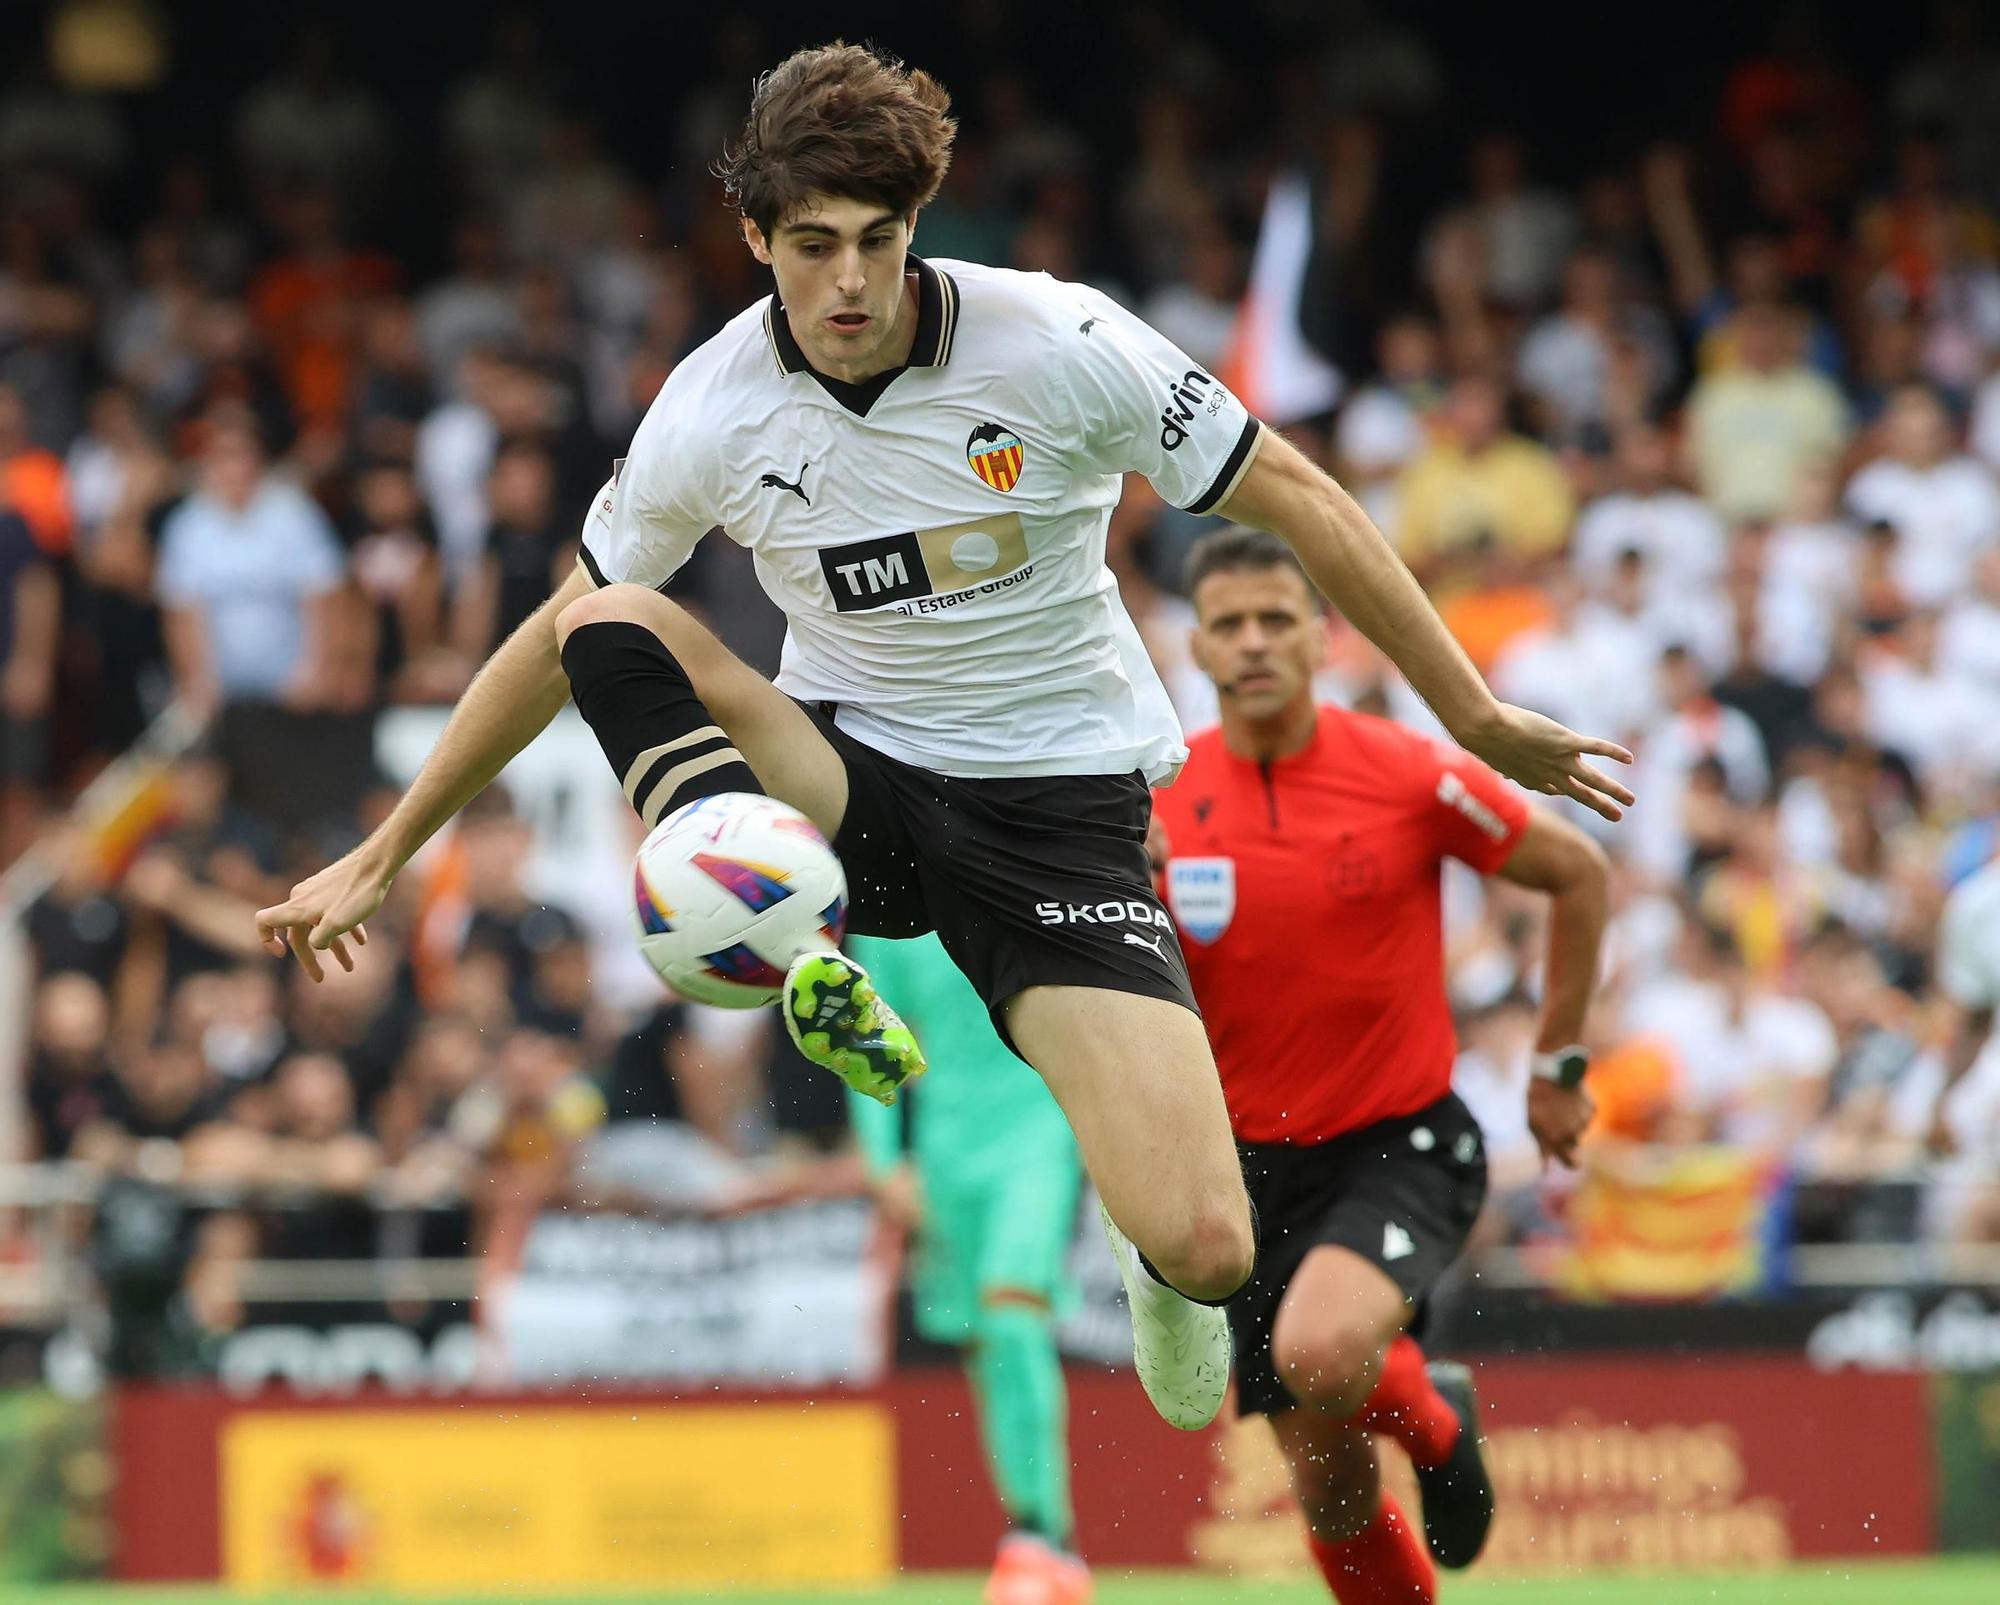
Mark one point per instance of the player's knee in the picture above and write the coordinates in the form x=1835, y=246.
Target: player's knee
x=1331, y=1366
x=611, y=604
x=1212, y=1256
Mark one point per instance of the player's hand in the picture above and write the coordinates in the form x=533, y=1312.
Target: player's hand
x=1544, y=756
x=899, y=1197
x=1558, y=1116
x=1158, y=848
x=323, y=911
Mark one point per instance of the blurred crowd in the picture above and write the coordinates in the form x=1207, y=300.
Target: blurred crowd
x=1696, y=446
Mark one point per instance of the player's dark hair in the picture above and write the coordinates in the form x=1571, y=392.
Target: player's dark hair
x=841, y=120
x=1237, y=547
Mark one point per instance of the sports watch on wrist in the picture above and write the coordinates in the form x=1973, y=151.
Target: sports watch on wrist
x=1565, y=1066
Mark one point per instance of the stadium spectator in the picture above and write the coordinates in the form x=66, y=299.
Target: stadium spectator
x=1383, y=423
x=572, y=202
x=148, y=334
x=315, y=1145
x=161, y=1120
x=1682, y=543
x=1947, y=727
x=527, y=547
x=69, y=1063
x=392, y=391
x=1701, y=739
x=497, y=118
x=1197, y=311
x=1755, y=426
x=1567, y=358
x=308, y=124
x=30, y=612
x=1753, y=1062
x=248, y=568
x=305, y=304
x=1969, y=632
x=33, y=482
x=472, y=307
x=1479, y=483
x=1524, y=232
x=1944, y=506
x=393, y=558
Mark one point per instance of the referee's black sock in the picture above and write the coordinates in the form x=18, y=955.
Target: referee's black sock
x=664, y=747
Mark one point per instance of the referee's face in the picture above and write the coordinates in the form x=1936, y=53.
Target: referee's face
x=840, y=271
x=1260, y=637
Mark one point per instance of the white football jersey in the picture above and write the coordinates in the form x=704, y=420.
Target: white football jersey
x=935, y=536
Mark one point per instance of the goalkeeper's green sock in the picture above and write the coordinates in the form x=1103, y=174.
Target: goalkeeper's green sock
x=1024, y=1416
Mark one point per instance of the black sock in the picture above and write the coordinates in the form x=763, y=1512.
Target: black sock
x=663, y=746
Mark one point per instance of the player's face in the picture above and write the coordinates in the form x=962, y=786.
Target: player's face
x=840, y=266
x=1259, y=636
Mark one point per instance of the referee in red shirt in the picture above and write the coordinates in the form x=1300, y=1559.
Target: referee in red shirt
x=1301, y=849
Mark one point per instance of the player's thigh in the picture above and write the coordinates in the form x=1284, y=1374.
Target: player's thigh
x=1334, y=1469
x=778, y=739
x=1135, y=1077
x=1338, y=1316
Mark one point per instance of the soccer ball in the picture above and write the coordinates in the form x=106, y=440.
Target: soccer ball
x=728, y=890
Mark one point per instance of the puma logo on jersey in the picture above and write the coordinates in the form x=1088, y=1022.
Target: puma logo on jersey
x=796, y=487
x=1186, y=395
x=1086, y=326
x=1133, y=939
x=1396, y=1243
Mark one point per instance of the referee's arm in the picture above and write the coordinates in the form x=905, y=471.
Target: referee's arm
x=1553, y=856
x=1361, y=575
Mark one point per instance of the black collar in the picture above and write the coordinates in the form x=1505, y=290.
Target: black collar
x=937, y=322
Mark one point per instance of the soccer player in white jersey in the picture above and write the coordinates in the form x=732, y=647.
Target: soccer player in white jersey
x=923, y=458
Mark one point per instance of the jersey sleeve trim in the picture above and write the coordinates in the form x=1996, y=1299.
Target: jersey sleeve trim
x=1233, y=469
x=590, y=565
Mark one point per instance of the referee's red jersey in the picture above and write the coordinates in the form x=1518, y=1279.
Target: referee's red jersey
x=1308, y=899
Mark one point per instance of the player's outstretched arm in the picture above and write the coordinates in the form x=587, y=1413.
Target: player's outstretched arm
x=1362, y=576
x=507, y=705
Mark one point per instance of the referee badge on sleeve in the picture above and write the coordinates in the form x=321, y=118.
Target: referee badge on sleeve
x=1202, y=894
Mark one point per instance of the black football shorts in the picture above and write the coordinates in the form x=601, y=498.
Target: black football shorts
x=1403, y=1194
x=1028, y=881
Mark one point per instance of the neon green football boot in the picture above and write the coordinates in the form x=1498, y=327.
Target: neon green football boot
x=835, y=1019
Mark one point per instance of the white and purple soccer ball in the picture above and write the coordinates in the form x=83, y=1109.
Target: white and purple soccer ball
x=728, y=890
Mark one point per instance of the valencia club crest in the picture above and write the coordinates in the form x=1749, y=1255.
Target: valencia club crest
x=996, y=455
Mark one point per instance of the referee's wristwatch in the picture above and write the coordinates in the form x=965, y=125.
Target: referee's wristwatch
x=1565, y=1066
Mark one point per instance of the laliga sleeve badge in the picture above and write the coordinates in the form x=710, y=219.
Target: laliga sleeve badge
x=1201, y=892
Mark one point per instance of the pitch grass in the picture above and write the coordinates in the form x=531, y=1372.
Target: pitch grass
x=1929, y=1582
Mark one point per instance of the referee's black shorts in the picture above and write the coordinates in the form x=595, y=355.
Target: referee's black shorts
x=1031, y=881
x=1402, y=1194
